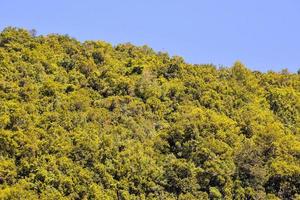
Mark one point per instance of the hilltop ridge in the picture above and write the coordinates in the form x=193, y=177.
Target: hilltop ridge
x=88, y=120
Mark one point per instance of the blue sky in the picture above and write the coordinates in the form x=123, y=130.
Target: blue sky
x=263, y=34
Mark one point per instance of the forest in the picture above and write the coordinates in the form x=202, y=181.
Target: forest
x=90, y=120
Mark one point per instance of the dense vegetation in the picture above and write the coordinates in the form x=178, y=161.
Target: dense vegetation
x=95, y=121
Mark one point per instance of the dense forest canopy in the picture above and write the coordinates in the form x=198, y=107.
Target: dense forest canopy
x=88, y=120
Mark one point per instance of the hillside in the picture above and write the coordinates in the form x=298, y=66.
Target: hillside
x=88, y=120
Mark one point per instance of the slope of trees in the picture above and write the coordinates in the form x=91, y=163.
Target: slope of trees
x=95, y=121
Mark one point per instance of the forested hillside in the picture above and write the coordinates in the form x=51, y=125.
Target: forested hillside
x=88, y=120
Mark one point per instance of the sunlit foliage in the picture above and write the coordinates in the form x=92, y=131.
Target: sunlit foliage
x=88, y=120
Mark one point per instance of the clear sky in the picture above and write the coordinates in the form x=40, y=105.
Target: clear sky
x=263, y=34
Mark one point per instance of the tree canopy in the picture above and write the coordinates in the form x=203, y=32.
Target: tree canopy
x=89, y=120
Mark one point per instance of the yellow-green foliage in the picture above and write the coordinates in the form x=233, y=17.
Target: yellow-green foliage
x=88, y=120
